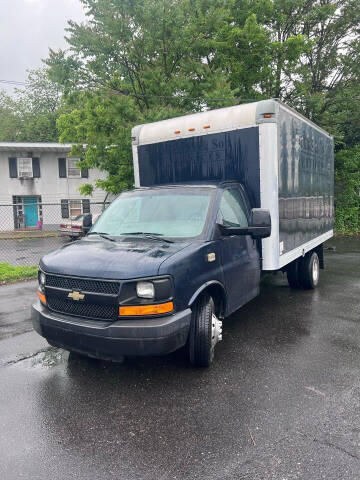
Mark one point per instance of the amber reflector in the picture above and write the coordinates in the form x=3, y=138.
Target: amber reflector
x=177, y=131
x=206, y=126
x=41, y=297
x=138, y=310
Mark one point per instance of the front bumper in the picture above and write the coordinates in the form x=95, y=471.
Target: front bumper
x=111, y=340
x=70, y=233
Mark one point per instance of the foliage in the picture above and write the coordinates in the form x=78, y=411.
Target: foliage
x=347, y=190
x=10, y=273
x=135, y=61
x=32, y=113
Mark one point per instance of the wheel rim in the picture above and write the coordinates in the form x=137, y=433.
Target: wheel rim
x=315, y=271
x=216, y=332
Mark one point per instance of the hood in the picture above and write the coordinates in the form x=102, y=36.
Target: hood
x=101, y=258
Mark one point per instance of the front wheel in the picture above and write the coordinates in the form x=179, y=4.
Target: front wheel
x=205, y=332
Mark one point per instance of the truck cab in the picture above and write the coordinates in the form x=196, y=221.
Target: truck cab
x=158, y=270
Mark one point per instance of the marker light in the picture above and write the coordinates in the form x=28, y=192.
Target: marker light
x=177, y=131
x=145, y=290
x=206, y=126
x=142, y=310
x=42, y=297
x=267, y=115
x=191, y=129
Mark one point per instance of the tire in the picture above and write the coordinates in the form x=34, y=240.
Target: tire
x=293, y=274
x=309, y=271
x=205, y=332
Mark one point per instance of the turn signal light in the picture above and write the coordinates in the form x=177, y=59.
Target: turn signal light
x=42, y=297
x=140, y=310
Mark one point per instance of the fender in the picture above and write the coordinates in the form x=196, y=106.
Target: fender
x=204, y=286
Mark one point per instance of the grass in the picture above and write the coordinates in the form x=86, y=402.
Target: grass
x=10, y=273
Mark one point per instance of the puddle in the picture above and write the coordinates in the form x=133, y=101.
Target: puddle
x=47, y=358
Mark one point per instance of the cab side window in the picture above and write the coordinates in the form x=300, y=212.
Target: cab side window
x=232, y=210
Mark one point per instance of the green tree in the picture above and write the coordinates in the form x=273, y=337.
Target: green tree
x=134, y=62
x=347, y=190
x=31, y=114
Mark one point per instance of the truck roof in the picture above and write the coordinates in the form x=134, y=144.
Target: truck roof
x=211, y=121
x=197, y=184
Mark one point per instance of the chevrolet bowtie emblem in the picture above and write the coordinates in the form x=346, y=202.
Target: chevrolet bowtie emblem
x=76, y=296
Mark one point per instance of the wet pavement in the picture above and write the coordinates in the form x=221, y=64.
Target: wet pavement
x=28, y=251
x=282, y=400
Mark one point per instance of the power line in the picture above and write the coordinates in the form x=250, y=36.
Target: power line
x=14, y=82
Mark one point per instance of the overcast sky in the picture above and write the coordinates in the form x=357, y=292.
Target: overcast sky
x=27, y=29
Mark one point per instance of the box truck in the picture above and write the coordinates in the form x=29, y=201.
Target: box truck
x=220, y=198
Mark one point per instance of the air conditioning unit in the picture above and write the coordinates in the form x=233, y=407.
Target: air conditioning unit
x=25, y=168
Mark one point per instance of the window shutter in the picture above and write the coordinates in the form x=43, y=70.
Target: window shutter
x=65, y=209
x=13, y=167
x=84, y=173
x=36, y=167
x=62, y=169
x=86, y=205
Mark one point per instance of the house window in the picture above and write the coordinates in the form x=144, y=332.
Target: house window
x=25, y=167
x=73, y=171
x=75, y=208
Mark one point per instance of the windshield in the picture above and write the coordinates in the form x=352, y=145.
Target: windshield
x=163, y=212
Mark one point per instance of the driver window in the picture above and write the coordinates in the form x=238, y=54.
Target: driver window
x=232, y=211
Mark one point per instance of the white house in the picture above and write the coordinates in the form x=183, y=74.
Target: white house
x=35, y=175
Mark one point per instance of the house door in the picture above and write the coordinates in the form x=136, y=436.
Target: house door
x=31, y=211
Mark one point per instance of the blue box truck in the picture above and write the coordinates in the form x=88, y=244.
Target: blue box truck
x=220, y=198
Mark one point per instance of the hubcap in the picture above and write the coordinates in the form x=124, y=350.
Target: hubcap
x=216, y=332
x=315, y=271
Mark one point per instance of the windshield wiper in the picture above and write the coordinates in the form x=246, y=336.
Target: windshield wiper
x=102, y=235
x=153, y=236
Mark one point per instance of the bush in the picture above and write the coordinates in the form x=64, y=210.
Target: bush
x=347, y=191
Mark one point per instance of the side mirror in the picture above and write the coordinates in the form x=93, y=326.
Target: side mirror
x=260, y=225
x=87, y=223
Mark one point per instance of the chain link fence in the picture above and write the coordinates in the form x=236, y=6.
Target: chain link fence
x=29, y=230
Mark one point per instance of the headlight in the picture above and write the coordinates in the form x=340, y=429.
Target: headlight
x=145, y=290
x=41, y=278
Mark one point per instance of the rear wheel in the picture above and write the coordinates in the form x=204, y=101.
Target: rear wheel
x=309, y=271
x=293, y=274
x=205, y=332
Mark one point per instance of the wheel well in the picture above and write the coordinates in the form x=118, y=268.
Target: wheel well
x=320, y=252
x=217, y=293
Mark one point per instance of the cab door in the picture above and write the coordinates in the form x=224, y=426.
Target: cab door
x=240, y=256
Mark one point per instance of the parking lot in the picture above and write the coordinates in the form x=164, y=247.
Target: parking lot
x=27, y=251
x=280, y=402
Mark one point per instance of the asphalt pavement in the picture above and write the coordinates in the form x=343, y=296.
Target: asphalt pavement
x=28, y=251
x=280, y=402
